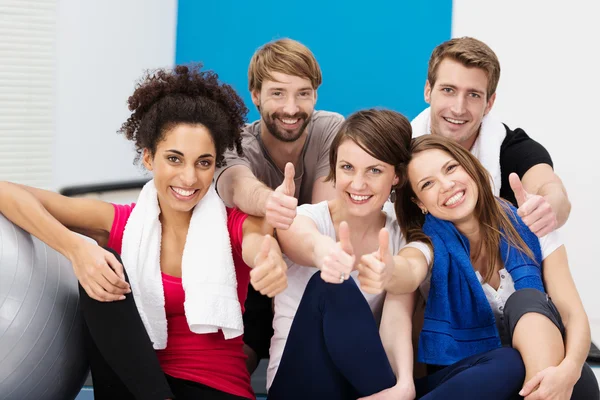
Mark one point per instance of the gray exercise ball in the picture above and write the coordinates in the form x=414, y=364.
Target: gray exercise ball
x=42, y=352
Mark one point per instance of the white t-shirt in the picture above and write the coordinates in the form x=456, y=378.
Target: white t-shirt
x=497, y=298
x=286, y=303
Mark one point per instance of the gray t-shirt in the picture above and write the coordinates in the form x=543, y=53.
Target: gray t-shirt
x=314, y=162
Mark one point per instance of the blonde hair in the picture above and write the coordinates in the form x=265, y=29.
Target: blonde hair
x=286, y=56
x=471, y=53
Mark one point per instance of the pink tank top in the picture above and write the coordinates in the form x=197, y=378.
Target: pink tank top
x=208, y=359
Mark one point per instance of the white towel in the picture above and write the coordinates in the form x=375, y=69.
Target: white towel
x=208, y=273
x=486, y=147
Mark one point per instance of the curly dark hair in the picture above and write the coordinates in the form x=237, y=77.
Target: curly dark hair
x=164, y=98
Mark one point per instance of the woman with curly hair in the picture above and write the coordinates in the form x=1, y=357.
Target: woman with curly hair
x=169, y=324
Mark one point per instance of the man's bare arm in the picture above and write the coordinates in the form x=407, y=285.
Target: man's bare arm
x=238, y=187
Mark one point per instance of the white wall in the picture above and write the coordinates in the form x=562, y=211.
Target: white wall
x=103, y=48
x=550, y=87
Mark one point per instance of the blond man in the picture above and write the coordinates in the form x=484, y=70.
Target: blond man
x=286, y=158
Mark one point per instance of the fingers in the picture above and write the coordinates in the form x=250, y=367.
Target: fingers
x=371, y=274
x=369, y=285
x=344, y=234
x=371, y=266
x=531, y=384
x=281, y=210
x=538, y=215
x=531, y=205
x=96, y=292
x=544, y=226
x=384, y=243
x=517, y=188
x=117, y=267
x=110, y=281
x=270, y=277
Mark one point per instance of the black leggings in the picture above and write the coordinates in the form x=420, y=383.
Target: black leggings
x=123, y=362
x=525, y=301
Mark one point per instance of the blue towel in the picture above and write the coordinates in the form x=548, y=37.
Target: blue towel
x=459, y=321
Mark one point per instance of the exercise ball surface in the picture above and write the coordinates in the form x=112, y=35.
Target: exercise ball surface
x=42, y=354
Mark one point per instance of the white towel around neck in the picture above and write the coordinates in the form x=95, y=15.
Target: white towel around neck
x=486, y=147
x=207, y=269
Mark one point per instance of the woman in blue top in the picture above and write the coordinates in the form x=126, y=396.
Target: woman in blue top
x=493, y=282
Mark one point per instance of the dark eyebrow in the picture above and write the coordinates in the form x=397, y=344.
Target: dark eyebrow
x=206, y=155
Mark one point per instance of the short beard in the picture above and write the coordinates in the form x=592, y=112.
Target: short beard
x=283, y=135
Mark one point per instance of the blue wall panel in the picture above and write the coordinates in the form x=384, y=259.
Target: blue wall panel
x=371, y=53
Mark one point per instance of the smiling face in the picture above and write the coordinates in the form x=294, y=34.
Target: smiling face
x=458, y=101
x=286, y=105
x=363, y=182
x=183, y=166
x=442, y=186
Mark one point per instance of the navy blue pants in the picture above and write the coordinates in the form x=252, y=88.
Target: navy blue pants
x=334, y=351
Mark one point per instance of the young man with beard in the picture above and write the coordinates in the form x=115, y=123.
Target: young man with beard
x=461, y=89
x=285, y=162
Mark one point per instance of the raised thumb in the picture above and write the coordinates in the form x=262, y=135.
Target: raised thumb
x=344, y=233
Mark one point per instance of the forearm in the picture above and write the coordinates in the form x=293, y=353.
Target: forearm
x=578, y=338
x=556, y=194
x=406, y=276
x=250, y=195
x=24, y=210
x=396, y=334
x=252, y=245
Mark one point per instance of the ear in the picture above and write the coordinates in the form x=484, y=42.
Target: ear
x=490, y=104
x=395, y=181
x=147, y=159
x=255, y=94
x=419, y=203
x=427, y=92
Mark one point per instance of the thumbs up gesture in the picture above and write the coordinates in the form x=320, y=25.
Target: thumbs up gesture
x=269, y=273
x=281, y=204
x=375, y=269
x=535, y=210
x=339, y=261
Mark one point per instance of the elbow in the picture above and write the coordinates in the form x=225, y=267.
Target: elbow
x=402, y=286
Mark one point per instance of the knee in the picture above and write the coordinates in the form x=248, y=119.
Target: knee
x=317, y=285
x=526, y=301
x=524, y=297
x=510, y=361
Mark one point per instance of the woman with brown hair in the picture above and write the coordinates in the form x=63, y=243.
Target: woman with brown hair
x=323, y=320
x=493, y=283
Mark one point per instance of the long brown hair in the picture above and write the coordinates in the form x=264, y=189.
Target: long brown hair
x=491, y=212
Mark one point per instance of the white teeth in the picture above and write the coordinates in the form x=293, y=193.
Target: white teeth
x=183, y=192
x=455, y=121
x=454, y=199
x=289, y=121
x=359, y=198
